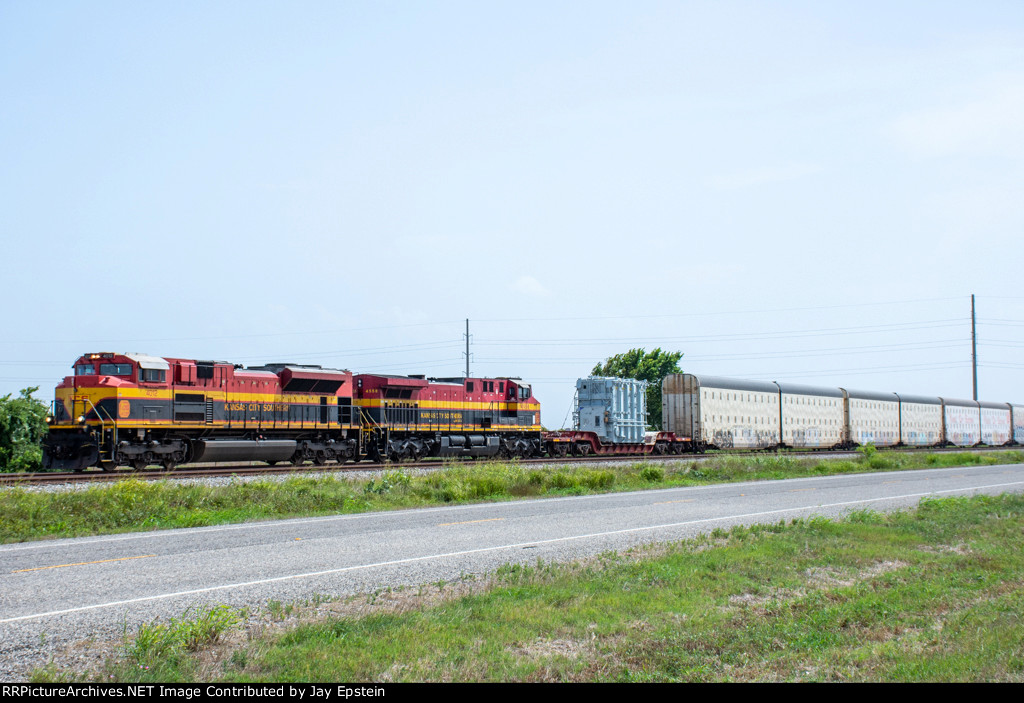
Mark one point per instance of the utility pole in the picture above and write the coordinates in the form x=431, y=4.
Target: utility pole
x=974, y=348
x=467, y=347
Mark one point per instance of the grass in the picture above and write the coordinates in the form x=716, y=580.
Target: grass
x=933, y=594
x=134, y=505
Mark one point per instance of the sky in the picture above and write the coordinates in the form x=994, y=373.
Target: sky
x=795, y=191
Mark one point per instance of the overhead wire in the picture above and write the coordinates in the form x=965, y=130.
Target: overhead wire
x=760, y=311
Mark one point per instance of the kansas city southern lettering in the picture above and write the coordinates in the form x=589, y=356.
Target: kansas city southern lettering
x=440, y=416
x=255, y=407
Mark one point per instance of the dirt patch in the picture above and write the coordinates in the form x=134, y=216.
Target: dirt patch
x=759, y=600
x=946, y=549
x=543, y=648
x=826, y=577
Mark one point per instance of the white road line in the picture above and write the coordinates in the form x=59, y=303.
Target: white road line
x=482, y=550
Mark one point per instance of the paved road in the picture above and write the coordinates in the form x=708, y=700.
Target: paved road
x=63, y=590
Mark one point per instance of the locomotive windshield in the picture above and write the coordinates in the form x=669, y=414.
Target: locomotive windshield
x=115, y=369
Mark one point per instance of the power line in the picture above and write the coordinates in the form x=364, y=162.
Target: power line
x=300, y=333
x=397, y=348
x=720, y=312
x=932, y=366
x=773, y=334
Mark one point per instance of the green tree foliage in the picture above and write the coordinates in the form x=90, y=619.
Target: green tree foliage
x=22, y=428
x=643, y=366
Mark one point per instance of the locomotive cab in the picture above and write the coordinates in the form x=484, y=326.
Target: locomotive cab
x=85, y=409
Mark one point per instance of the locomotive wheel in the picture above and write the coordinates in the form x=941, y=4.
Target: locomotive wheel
x=319, y=459
x=168, y=464
x=108, y=465
x=139, y=464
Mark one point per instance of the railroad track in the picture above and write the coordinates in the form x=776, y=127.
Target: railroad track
x=200, y=471
x=257, y=469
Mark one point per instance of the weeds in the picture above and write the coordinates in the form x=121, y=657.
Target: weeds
x=132, y=504
x=160, y=648
x=654, y=474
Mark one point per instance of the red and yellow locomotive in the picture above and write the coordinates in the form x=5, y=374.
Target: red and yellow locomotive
x=138, y=410
x=413, y=416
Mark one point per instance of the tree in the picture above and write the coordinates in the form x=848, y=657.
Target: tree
x=643, y=366
x=22, y=428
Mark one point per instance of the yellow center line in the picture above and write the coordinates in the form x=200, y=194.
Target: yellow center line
x=82, y=563
x=470, y=522
x=667, y=502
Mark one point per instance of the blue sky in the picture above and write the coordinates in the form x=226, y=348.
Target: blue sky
x=798, y=191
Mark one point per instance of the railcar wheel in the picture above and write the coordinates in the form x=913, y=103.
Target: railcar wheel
x=583, y=448
x=168, y=464
x=108, y=465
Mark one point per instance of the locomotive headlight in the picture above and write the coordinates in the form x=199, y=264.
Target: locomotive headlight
x=49, y=419
x=81, y=419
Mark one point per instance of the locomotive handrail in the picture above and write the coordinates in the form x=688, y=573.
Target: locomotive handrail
x=367, y=419
x=96, y=409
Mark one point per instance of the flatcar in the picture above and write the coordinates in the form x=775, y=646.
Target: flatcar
x=610, y=418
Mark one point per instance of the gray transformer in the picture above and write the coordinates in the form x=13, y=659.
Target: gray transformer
x=615, y=409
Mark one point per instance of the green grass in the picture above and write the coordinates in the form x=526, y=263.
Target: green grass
x=933, y=594
x=134, y=505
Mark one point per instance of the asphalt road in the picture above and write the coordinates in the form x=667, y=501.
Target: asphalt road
x=60, y=591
